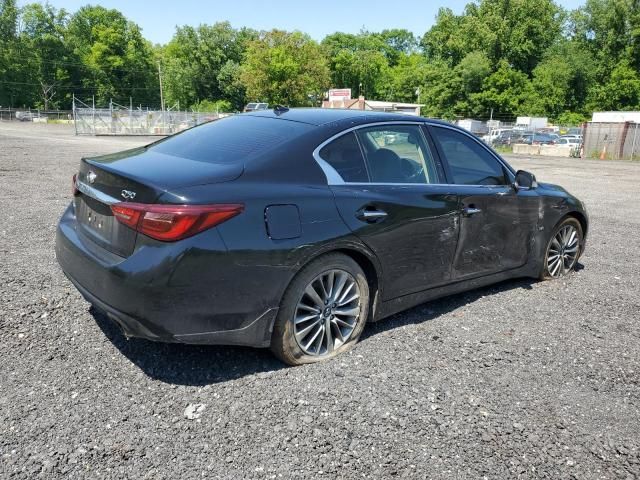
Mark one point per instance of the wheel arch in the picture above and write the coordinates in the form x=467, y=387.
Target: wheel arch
x=372, y=274
x=581, y=218
x=365, y=260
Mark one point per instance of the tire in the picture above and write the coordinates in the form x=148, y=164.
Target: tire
x=335, y=278
x=561, y=256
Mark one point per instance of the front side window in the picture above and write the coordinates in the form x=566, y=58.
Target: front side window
x=470, y=163
x=397, y=154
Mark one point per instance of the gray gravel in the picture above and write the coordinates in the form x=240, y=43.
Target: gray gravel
x=520, y=380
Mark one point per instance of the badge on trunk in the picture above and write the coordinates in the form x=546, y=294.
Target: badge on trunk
x=91, y=176
x=128, y=194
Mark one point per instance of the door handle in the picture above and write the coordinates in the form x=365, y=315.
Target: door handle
x=370, y=215
x=471, y=210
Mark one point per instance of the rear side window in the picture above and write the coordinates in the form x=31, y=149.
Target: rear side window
x=230, y=140
x=470, y=163
x=397, y=154
x=344, y=155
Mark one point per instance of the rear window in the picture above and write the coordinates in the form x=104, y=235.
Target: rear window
x=230, y=140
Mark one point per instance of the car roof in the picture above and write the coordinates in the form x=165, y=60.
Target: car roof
x=322, y=116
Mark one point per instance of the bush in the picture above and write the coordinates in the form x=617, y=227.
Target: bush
x=570, y=119
x=211, y=106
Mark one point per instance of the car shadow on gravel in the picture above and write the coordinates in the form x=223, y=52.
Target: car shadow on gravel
x=197, y=365
x=192, y=365
x=435, y=308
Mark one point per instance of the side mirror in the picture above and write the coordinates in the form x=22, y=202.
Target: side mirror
x=525, y=181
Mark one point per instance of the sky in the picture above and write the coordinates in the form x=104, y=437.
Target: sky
x=159, y=18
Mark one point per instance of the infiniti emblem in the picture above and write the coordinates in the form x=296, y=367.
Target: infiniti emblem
x=128, y=194
x=91, y=176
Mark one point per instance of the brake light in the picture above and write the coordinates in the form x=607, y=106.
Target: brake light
x=125, y=214
x=169, y=223
x=74, y=185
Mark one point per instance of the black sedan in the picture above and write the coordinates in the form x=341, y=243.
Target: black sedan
x=291, y=229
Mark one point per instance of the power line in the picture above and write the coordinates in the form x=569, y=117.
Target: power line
x=72, y=87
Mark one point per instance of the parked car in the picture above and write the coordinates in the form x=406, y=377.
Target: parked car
x=26, y=116
x=567, y=140
x=507, y=137
x=536, y=139
x=575, y=137
x=495, y=133
x=255, y=106
x=292, y=229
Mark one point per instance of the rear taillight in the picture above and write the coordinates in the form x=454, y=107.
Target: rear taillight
x=74, y=185
x=173, y=222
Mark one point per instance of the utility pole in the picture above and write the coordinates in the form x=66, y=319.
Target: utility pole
x=161, y=94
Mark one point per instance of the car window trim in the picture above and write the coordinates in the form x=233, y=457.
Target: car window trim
x=509, y=170
x=334, y=178
x=432, y=153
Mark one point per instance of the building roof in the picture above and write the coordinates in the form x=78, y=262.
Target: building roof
x=381, y=104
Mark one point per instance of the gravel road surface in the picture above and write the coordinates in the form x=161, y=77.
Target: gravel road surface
x=520, y=380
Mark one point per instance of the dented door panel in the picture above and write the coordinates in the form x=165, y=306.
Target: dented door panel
x=412, y=229
x=498, y=235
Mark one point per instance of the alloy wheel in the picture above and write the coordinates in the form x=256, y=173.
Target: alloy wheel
x=328, y=312
x=563, y=251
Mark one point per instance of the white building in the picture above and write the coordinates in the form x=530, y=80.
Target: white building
x=616, y=117
x=374, y=105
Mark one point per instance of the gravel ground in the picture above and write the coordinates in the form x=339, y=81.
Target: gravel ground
x=520, y=380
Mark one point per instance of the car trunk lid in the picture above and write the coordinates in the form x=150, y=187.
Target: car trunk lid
x=138, y=175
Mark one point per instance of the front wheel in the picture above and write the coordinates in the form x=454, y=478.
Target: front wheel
x=563, y=249
x=323, y=312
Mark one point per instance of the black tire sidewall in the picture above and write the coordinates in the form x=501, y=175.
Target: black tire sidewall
x=545, y=275
x=283, y=342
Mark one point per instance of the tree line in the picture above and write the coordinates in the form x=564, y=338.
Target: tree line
x=498, y=57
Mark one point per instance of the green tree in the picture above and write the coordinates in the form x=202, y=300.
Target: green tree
x=505, y=91
x=561, y=81
x=604, y=28
x=360, y=62
x=468, y=79
x=286, y=68
x=518, y=31
x=403, y=81
x=620, y=92
x=116, y=61
x=397, y=43
x=231, y=85
x=196, y=59
x=444, y=41
x=47, y=61
x=11, y=81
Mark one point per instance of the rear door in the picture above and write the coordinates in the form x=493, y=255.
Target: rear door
x=389, y=190
x=496, y=221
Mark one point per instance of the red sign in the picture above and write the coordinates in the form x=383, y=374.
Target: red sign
x=339, y=94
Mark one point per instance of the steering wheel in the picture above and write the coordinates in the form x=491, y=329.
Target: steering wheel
x=412, y=171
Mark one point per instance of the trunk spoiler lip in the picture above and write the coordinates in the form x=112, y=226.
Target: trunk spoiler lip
x=235, y=171
x=96, y=194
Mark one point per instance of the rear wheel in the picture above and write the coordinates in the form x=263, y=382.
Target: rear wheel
x=323, y=312
x=563, y=249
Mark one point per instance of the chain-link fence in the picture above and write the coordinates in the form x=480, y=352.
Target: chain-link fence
x=120, y=120
x=34, y=115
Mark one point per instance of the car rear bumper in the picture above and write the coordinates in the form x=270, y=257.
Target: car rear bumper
x=170, y=292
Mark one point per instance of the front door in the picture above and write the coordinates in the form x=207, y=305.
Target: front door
x=392, y=196
x=497, y=222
